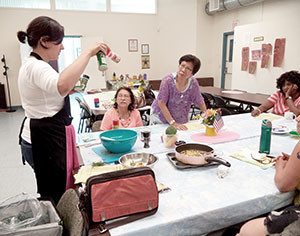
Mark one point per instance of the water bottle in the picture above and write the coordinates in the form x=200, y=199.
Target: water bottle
x=265, y=137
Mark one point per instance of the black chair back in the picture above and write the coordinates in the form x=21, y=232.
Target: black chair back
x=86, y=117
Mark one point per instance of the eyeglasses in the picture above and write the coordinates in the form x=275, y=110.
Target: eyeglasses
x=185, y=68
x=123, y=96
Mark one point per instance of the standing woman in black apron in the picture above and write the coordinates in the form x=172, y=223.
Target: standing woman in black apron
x=47, y=135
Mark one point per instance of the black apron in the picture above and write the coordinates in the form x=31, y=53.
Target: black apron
x=48, y=140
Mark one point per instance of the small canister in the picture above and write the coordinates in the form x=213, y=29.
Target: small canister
x=84, y=81
x=101, y=61
x=96, y=102
x=265, y=137
x=116, y=124
x=113, y=56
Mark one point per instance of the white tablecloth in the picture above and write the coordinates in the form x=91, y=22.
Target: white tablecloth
x=199, y=202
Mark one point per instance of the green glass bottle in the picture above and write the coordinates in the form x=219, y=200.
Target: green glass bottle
x=265, y=137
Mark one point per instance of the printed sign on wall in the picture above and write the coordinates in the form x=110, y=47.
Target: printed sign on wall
x=256, y=55
x=266, y=50
x=245, y=58
x=252, y=67
x=279, y=49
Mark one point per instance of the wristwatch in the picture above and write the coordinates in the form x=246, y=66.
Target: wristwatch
x=288, y=97
x=172, y=122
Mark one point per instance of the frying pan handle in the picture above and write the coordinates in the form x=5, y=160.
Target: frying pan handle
x=179, y=142
x=219, y=160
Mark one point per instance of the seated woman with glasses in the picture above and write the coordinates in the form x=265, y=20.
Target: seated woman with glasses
x=123, y=111
x=177, y=92
x=287, y=98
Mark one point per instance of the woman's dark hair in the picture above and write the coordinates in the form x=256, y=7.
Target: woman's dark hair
x=191, y=58
x=132, y=98
x=291, y=76
x=42, y=27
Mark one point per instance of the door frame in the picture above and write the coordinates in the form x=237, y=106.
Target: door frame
x=224, y=55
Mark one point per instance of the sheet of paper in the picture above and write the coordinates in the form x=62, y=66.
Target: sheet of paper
x=87, y=171
x=194, y=126
x=268, y=116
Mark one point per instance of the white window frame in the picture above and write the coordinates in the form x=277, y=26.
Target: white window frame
x=108, y=8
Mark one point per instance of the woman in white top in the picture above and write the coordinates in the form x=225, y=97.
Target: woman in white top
x=46, y=133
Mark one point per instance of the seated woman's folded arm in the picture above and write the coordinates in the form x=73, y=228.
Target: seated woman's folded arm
x=288, y=171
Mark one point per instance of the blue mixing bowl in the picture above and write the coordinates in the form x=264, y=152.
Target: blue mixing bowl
x=118, y=140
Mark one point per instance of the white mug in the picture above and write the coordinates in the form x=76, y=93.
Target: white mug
x=289, y=115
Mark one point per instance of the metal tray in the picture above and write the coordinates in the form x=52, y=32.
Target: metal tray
x=178, y=164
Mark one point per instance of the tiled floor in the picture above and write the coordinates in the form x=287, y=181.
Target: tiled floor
x=15, y=178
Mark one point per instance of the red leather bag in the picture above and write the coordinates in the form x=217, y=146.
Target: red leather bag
x=129, y=194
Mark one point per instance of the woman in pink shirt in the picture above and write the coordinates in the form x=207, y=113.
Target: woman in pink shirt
x=123, y=111
x=287, y=98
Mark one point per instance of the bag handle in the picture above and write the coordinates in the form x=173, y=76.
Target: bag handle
x=102, y=229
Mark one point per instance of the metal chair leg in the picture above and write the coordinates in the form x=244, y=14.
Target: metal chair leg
x=79, y=125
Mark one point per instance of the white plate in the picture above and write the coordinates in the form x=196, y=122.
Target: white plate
x=280, y=130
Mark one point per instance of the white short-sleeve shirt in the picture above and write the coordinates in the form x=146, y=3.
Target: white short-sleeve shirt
x=38, y=90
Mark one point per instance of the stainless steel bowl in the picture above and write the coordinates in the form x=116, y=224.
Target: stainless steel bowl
x=138, y=159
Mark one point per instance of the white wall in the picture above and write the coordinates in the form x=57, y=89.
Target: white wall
x=272, y=18
x=170, y=34
x=264, y=80
x=179, y=27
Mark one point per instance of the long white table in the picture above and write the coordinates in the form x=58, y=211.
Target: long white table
x=199, y=202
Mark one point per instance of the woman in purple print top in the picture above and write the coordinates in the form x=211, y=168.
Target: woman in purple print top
x=177, y=92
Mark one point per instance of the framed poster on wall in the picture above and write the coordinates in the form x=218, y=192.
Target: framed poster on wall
x=132, y=45
x=145, y=48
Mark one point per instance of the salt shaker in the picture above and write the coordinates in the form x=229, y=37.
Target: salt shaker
x=146, y=138
x=222, y=171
